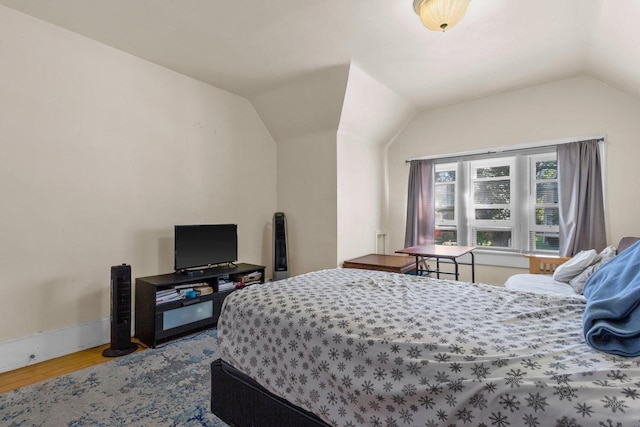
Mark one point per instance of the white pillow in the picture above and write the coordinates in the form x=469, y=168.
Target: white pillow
x=575, y=265
x=577, y=283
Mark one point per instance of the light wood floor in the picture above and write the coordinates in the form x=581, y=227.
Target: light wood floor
x=55, y=367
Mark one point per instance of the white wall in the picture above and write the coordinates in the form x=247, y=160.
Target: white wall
x=303, y=118
x=307, y=195
x=372, y=115
x=567, y=108
x=360, y=174
x=102, y=153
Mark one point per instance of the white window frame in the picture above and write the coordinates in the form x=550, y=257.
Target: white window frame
x=444, y=223
x=533, y=202
x=521, y=223
x=447, y=224
x=510, y=224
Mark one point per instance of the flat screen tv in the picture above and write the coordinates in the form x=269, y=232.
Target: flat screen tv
x=205, y=245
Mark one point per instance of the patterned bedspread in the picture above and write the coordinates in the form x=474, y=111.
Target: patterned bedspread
x=360, y=347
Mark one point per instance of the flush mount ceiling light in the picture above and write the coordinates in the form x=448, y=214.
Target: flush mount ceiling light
x=440, y=15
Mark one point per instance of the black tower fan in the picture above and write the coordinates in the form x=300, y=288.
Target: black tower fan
x=280, y=250
x=120, y=312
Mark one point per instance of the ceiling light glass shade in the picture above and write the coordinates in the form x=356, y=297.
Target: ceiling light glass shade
x=440, y=15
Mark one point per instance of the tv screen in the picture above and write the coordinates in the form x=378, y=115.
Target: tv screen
x=205, y=245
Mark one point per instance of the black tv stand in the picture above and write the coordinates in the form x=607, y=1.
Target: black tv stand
x=156, y=323
x=191, y=273
x=203, y=270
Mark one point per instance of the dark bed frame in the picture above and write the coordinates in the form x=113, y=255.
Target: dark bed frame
x=240, y=401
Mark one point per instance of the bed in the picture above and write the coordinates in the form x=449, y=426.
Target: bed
x=540, y=278
x=349, y=347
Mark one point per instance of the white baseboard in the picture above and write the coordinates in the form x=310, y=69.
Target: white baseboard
x=24, y=351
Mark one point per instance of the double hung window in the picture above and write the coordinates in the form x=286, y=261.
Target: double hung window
x=544, y=216
x=446, y=189
x=492, y=217
x=506, y=203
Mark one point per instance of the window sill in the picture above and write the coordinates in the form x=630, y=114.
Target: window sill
x=500, y=258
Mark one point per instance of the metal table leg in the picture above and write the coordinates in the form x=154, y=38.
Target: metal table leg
x=473, y=268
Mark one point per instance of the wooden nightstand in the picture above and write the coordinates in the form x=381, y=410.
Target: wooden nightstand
x=390, y=263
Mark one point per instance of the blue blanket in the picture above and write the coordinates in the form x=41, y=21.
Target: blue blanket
x=612, y=316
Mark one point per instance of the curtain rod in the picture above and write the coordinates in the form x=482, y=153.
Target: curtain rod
x=508, y=149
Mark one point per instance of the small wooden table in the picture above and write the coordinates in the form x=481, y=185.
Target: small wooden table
x=390, y=263
x=441, y=251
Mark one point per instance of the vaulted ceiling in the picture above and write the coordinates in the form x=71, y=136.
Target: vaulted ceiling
x=252, y=47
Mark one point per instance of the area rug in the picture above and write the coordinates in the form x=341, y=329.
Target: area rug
x=166, y=386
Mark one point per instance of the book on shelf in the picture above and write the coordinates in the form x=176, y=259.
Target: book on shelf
x=226, y=286
x=248, y=279
x=203, y=290
x=175, y=296
x=243, y=284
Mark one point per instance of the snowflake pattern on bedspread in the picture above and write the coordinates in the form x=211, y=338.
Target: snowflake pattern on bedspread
x=360, y=347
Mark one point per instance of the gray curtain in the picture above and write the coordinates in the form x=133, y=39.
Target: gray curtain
x=580, y=198
x=420, y=204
